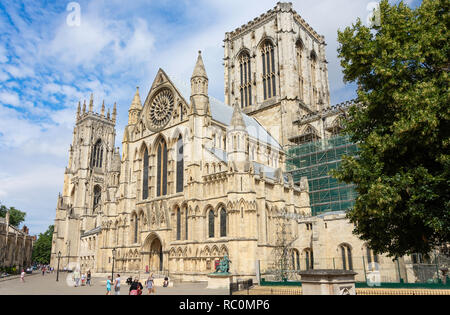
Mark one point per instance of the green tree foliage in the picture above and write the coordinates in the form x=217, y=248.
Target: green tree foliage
x=43, y=246
x=15, y=216
x=402, y=173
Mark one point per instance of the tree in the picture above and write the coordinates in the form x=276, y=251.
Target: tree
x=15, y=216
x=402, y=127
x=43, y=246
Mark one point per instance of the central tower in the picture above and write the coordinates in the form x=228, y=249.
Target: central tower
x=276, y=70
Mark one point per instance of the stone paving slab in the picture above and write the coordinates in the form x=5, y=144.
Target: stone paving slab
x=37, y=284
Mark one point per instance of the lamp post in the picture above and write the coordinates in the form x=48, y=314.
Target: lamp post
x=57, y=270
x=113, y=258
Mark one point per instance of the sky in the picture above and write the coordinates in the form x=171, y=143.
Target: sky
x=50, y=60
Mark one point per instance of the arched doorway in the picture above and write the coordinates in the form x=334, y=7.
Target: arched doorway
x=153, y=253
x=156, y=255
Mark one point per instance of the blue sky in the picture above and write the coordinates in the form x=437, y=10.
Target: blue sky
x=47, y=66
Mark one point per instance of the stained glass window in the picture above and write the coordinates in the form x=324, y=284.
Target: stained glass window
x=97, y=155
x=246, y=80
x=178, y=224
x=223, y=223
x=161, y=180
x=180, y=165
x=145, y=176
x=211, y=223
x=268, y=61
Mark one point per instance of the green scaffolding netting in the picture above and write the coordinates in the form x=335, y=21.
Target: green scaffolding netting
x=315, y=160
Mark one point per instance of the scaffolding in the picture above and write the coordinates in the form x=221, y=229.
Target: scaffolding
x=315, y=160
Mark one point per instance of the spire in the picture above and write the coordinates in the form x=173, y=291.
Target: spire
x=237, y=120
x=103, y=108
x=78, y=110
x=114, y=114
x=199, y=70
x=84, y=107
x=109, y=115
x=136, y=104
x=91, y=103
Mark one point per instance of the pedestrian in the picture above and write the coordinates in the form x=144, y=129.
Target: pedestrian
x=76, y=277
x=83, y=279
x=149, y=284
x=136, y=287
x=43, y=271
x=88, y=282
x=166, y=282
x=117, y=285
x=22, y=276
x=108, y=286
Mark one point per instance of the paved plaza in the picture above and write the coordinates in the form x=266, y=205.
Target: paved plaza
x=37, y=284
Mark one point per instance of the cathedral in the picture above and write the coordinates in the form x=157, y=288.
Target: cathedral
x=199, y=179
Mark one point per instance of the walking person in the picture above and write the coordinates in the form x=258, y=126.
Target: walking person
x=88, y=279
x=76, y=277
x=149, y=284
x=108, y=285
x=22, y=276
x=117, y=285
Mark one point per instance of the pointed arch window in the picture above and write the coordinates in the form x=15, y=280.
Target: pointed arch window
x=300, y=48
x=186, y=222
x=246, y=79
x=309, y=259
x=313, y=77
x=180, y=165
x=346, y=254
x=223, y=222
x=97, y=155
x=136, y=228
x=145, y=175
x=268, y=62
x=161, y=178
x=211, y=224
x=372, y=259
x=178, y=224
x=97, y=197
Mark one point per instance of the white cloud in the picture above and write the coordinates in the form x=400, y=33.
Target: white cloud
x=9, y=98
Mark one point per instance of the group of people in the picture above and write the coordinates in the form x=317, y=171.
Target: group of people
x=85, y=278
x=136, y=287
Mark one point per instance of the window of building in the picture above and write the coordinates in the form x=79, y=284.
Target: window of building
x=97, y=196
x=246, y=80
x=186, y=223
x=300, y=48
x=161, y=178
x=313, y=77
x=178, y=224
x=145, y=175
x=223, y=223
x=211, y=224
x=180, y=165
x=309, y=259
x=97, y=155
x=346, y=254
x=136, y=228
x=268, y=62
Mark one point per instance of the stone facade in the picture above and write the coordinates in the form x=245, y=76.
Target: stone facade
x=16, y=246
x=199, y=179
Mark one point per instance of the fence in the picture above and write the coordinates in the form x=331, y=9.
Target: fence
x=378, y=271
x=241, y=285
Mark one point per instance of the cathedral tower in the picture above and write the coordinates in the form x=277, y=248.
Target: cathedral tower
x=276, y=70
x=91, y=171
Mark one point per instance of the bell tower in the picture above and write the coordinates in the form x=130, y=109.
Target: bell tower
x=276, y=70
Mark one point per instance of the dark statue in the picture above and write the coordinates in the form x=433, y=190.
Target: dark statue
x=224, y=265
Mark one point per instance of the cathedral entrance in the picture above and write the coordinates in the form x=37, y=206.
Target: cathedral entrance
x=154, y=253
